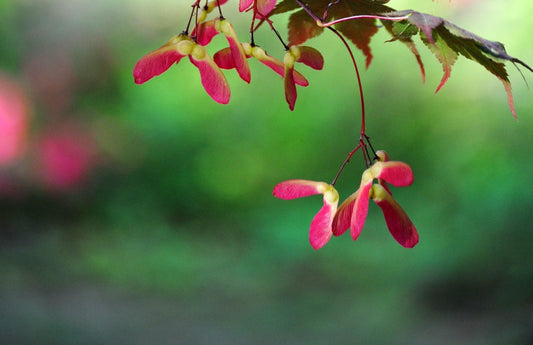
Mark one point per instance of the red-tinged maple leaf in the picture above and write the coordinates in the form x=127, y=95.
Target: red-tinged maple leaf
x=302, y=27
x=447, y=41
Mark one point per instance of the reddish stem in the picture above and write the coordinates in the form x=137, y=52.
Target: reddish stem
x=320, y=22
x=362, y=137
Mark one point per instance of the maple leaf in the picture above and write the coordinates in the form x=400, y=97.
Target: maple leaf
x=403, y=34
x=447, y=41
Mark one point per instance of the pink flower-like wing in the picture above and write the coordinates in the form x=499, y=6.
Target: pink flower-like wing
x=396, y=173
x=213, y=80
x=290, y=86
x=320, y=231
x=293, y=189
x=223, y=59
x=157, y=61
x=360, y=210
x=399, y=224
x=206, y=31
x=245, y=4
x=278, y=67
x=343, y=216
x=237, y=52
x=311, y=57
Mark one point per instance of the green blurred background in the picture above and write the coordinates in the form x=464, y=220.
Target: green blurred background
x=144, y=215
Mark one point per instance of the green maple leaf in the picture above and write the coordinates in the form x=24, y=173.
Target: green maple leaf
x=447, y=41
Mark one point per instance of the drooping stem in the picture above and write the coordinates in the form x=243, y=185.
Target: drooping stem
x=320, y=22
x=364, y=140
x=359, y=83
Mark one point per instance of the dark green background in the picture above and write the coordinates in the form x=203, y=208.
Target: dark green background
x=175, y=237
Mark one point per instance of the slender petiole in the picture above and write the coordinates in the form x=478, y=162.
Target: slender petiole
x=358, y=75
x=194, y=7
x=364, y=140
x=325, y=15
x=321, y=23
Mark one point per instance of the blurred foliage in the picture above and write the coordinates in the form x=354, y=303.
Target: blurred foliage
x=171, y=234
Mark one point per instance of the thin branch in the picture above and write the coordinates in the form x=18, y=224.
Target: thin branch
x=346, y=162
